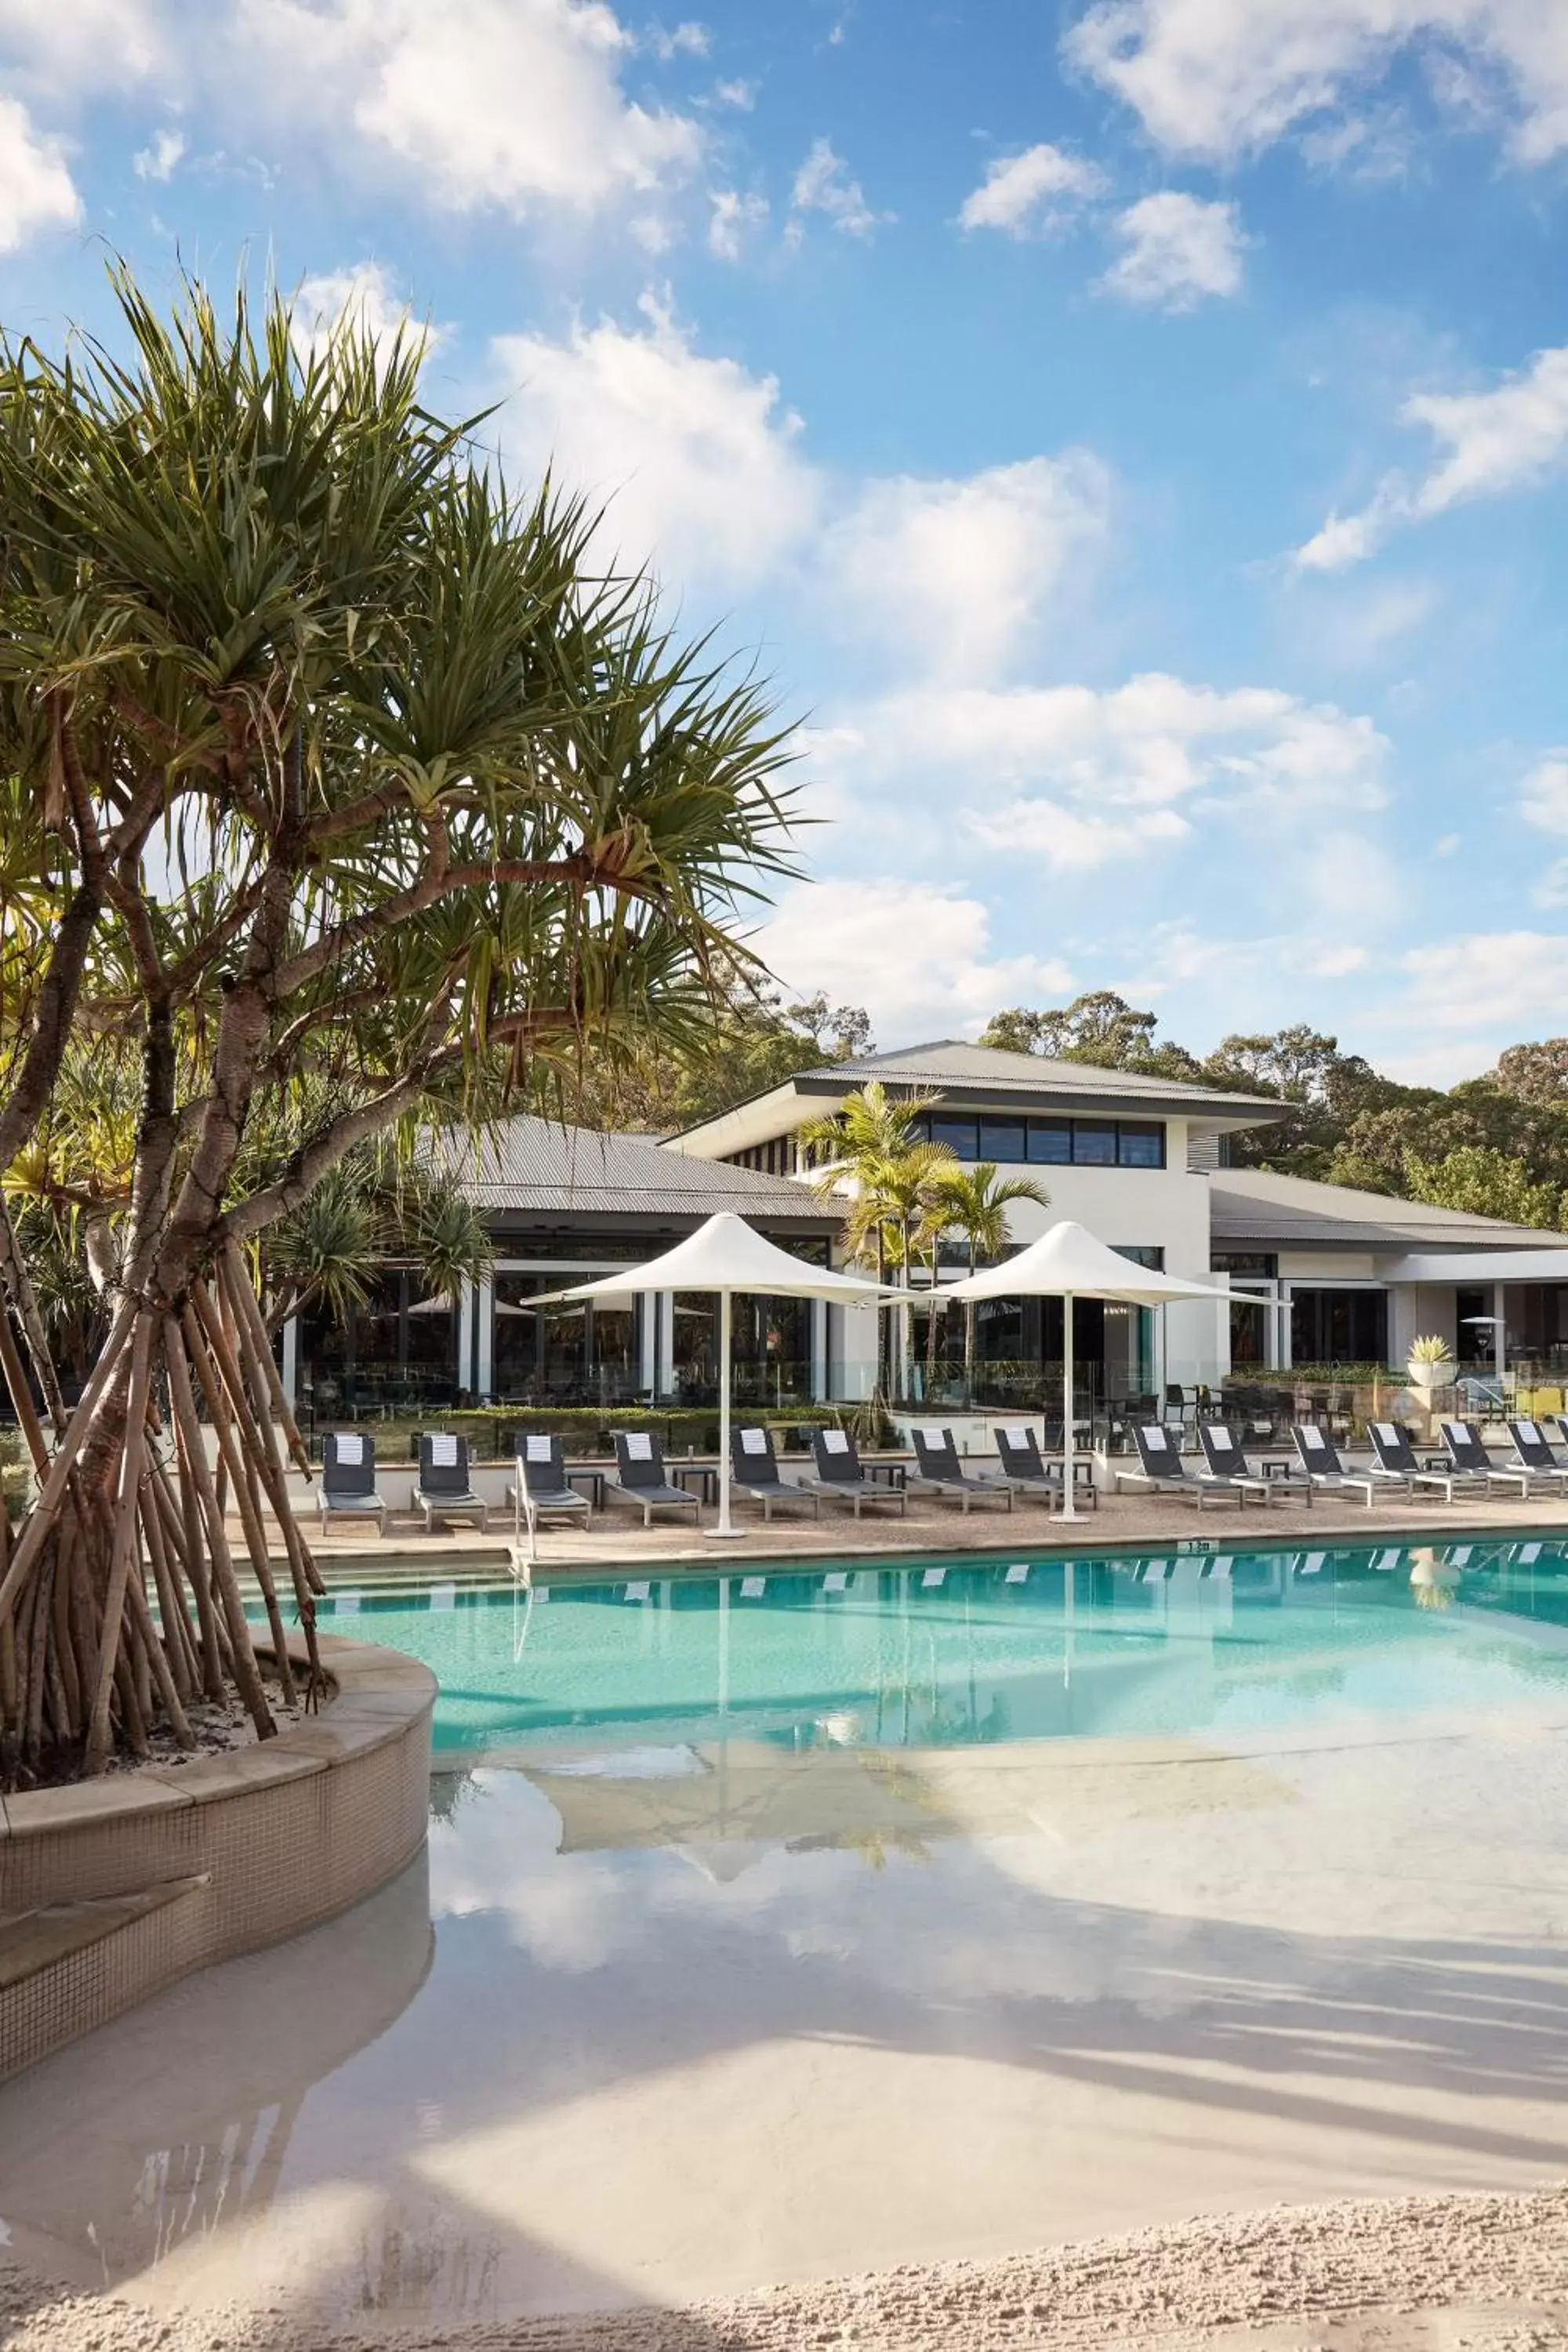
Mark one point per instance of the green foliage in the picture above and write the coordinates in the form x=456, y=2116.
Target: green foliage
x=1487, y=1183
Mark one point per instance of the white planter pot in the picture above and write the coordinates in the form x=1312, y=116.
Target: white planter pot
x=1431, y=1376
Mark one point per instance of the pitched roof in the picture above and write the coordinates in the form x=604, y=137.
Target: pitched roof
x=536, y=1167
x=978, y=1075
x=1255, y=1208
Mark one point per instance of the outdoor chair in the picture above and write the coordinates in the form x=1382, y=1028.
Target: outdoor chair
x=837, y=1473
x=348, y=1479
x=1393, y=1464
x=939, y=1471
x=445, y=1490
x=1462, y=1443
x=1320, y=1459
x=541, y=1486
x=1226, y=1465
x=1162, y=1468
x=754, y=1473
x=641, y=1476
x=1532, y=1452
x=1026, y=1472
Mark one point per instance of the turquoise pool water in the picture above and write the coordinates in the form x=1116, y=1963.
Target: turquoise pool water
x=944, y=1653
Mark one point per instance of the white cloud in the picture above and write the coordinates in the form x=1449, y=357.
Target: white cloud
x=1220, y=78
x=734, y=218
x=36, y=191
x=365, y=298
x=1544, y=794
x=823, y=184
x=699, y=459
x=1071, y=841
x=688, y=40
x=1024, y=195
x=742, y=95
x=957, y=573
x=1179, y=250
x=1489, y=443
x=918, y=958
x=158, y=160
x=81, y=45
x=1524, y=971
x=512, y=103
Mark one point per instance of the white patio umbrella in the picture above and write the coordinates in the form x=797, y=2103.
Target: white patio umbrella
x=1067, y=1263
x=726, y=1256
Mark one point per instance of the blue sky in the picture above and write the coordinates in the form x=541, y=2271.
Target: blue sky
x=1133, y=434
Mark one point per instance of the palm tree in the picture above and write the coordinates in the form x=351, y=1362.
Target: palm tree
x=975, y=1205
x=872, y=1145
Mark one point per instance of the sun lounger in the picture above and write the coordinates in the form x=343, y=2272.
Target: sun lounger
x=837, y=1473
x=1227, y=1465
x=1532, y=1452
x=445, y=1490
x=1393, y=1464
x=348, y=1489
x=640, y=1480
x=1162, y=1468
x=1462, y=1443
x=541, y=1486
x=754, y=1473
x=1026, y=1471
x=1319, y=1460
x=939, y=1470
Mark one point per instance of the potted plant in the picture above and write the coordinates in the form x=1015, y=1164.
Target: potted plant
x=1431, y=1364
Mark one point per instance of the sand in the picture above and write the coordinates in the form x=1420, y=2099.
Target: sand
x=1407, y=2274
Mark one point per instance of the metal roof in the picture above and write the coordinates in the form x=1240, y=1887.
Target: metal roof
x=535, y=1166
x=973, y=1077
x=1254, y=1208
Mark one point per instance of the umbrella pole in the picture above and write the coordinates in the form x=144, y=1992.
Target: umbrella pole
x=1069, y=1509
x=724, y=1531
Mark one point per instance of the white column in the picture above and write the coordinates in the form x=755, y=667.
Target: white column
x=647, y=1370
x=1500, y=1328
x=819, y=1311
x=485, y=1308
x=666, y=1381
x=466, y=1336
x=291, y=1371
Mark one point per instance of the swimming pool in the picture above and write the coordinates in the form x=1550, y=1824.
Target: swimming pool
x=941, y=1653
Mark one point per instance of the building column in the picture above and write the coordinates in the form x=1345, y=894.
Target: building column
x=290, y=1366
x=647, y=1339
x=485, y=1337
x=1500, y=1328
x=664, y=1380
x=818, y=1350
x=466, y=1338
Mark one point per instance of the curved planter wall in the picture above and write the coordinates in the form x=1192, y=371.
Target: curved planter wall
x=112, y=1888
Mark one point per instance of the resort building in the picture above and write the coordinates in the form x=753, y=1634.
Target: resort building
x=1316, y=1274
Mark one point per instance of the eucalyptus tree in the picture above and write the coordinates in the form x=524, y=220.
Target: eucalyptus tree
x=335, y=776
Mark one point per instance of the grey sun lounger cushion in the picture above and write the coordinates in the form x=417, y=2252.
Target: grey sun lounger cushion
x=1393, y=1460
x=939, y=1470
x=836, y=1471
x=445, y=1490
x=754, y=1473
x=542, y=1484
x=1025, y=1471
x=1532, y=1452
x=1462, y=1443
x=1161, y=1466
x=641, y=1476
x=1227, y=1463
x=1319, y=1458
x=348, y=1478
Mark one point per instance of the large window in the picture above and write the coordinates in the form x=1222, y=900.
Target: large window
x=1339, y=1326
x=1048, y=1142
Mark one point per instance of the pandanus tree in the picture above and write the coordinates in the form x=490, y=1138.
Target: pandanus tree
x=345, y=788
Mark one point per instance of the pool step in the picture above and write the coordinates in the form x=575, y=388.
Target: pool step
x=51, y=1990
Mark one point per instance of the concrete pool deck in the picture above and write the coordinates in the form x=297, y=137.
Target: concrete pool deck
x=951, y=2008
x=616, y=1541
